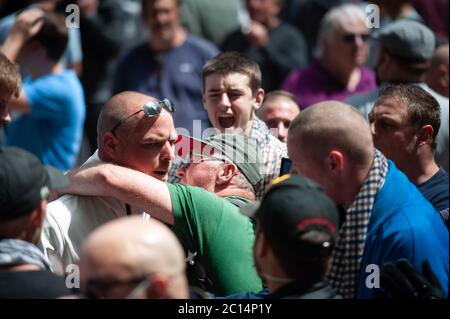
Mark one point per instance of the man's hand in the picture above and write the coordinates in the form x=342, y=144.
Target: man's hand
x=402, y=281
x=27, y=25
x=257, y=34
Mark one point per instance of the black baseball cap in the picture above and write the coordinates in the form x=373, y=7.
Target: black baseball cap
x=24, y=182
x=292, y=207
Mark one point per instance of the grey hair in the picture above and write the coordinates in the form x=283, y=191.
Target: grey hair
x=242, y=183
x=335, y=18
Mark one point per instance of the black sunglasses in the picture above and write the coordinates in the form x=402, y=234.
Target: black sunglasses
x=351, y=37
x=150, y=109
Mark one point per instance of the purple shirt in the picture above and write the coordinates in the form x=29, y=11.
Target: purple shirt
x=315, y=84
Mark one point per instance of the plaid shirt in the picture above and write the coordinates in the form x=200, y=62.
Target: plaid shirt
x=272, y=151
x=348, y=254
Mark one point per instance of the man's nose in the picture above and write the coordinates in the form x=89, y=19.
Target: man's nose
x=225, y=100
x=168, y=151
x=373, y=129
x=5, y=118
x=282, y=132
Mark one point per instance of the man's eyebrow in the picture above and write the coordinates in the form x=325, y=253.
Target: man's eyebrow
x=155, y=138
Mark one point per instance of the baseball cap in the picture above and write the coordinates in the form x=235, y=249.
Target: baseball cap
x=240, y=149
x=292, y=207
x=24, y=182
x=408, y=39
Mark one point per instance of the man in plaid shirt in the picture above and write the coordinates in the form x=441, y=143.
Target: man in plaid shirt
x=231, y=94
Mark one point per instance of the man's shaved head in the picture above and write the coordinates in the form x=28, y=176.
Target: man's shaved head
x=127, y=137
x=118, y=108
x=331, y=143
x=334, y=125
x=131, y=247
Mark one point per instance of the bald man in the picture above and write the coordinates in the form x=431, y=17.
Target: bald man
x=386, y=217
x=131, y=258
x=437, y=74
x=277, y=111
x=127, y=136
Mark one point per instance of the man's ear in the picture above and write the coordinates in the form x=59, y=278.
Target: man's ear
x=335, y=162
x=261, y=247
x=425, y=135
x=38, y=215
x=443, y=75
x=225, y=173
x=110, y=146
x=259, y=98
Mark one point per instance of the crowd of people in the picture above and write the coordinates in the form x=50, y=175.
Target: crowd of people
x=148, y=149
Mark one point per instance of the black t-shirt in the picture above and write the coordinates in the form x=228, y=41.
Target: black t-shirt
x=435, y=190
x=31, y=285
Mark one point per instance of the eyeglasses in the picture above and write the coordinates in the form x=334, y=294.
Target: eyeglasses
x=198, y=158
x=351, y=37
x=150, y=109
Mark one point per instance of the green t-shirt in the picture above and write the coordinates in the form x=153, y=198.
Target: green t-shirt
x=220, y=235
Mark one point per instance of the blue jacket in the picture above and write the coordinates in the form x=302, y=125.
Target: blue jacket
x=404, y=225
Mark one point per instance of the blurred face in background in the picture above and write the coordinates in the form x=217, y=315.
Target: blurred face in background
x=348, y=45
x=162, y=17
x=278, y=113
x=263, y=10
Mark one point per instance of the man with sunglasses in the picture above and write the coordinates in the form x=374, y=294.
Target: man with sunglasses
x=404, y=56
x=134, y=130
x=338, y=71
x=221, y=173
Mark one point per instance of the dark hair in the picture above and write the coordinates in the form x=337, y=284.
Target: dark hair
x=53, y=35
x=423, y=108
x=308, y=258
x=234, y=62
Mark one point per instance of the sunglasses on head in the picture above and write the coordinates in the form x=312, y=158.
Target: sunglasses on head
x=351, y=37
x=150, y=109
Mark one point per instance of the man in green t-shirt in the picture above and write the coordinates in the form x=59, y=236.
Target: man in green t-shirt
x=220, y=174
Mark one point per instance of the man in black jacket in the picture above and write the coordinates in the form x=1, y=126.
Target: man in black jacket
x=296, y=231
x=24, y=188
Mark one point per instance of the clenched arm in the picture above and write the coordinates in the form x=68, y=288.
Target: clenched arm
x=130, y=186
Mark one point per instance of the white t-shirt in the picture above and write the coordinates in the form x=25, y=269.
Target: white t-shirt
x=70, y=219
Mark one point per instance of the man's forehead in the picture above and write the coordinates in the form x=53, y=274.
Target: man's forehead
x=391, y=105
x=229, y=80
x=280, y=105
x=160, y=134
x=352, y=25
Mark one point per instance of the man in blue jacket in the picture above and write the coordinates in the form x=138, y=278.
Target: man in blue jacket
x=386, y=217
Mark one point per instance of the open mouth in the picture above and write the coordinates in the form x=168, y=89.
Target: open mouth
x=160, y=174
x=226, y=121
